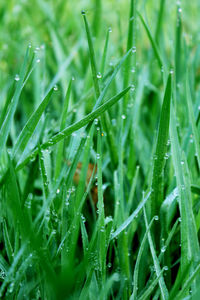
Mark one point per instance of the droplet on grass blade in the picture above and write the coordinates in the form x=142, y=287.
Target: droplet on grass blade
x=17, y=78
x=133, y=49
x=163, y=249
x=99, y=76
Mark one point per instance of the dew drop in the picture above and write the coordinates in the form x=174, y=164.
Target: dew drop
x=171, y=71
x=109, y=29
x=133, y=70
x=83, y=12
x=166, y=156
x=182, y=187
x=98, y=156
x=156, y=218
x=17, y=78
x=123, y=117
x=133, y=49
x=38, y=61
x=182, y=162
x=163, y=249
x=58, y=191
x=99, y=76
x=166, y=268
x=132, y=88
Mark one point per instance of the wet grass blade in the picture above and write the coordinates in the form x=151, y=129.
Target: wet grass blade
x=30, y=126
x=192, y=120
x=137, y=264
x=100, y=206
x=5, y=128
x=105, y=51
x=60, y=147
x=126, y=223
x=162, y=285
x=153, y=43
x=189, y=240
x=161, y=148
x=69, y=130
x=92, y=56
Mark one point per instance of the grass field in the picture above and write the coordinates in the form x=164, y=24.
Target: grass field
x=99, y=149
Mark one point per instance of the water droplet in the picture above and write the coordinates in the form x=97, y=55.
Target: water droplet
x=166, y=268
x=98, y=156
x=163, y=249
x=96, y=121
x=58, y=191
x=179, y=9
x=109, y=29
x=182, y=162
x=132, y=88
x=99, y=75
x=156, y=218
x=171, y=71
x=155, y=157
x=83, y=218
x=17, y=78
x=29, y=45
x=109, y=265
x=162, y=69
x=133, y=49
x=168, y=142
x=182, y=187
x=83, y=12
x=73, y=78
x=179, y=219
x=55, y=88
x=166, y=156
x=98, y=128
x=133, y=70
x=199, y=107
x=102, y=229
x=123, y=117
x=38, y=61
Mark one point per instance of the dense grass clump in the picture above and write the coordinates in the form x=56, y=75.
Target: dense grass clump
x=99, y=150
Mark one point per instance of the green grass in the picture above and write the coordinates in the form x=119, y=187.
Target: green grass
x=99, y=150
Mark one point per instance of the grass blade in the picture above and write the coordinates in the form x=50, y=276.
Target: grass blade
x=162, y=285
x=161, y=148
x=69, y=130
x=5, y=128
x=30, y=126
